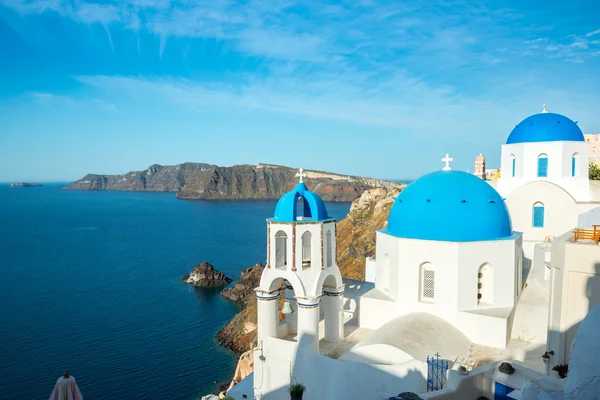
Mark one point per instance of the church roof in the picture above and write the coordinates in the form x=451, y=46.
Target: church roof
x=451, y=206
x=313, y=207
x=545, y=127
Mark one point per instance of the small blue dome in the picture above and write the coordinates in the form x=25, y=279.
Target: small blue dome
x=545, y=127
x=450, y=206
x=313, y=206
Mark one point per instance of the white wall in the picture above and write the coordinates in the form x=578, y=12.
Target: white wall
x=501, y=255
x=559, y=166
x=327, y=378
x=486, y=327
x=560, y=210
x=370, y=269
x=575, y=289
x=456, y=276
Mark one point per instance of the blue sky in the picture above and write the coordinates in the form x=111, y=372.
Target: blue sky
x=373, y=88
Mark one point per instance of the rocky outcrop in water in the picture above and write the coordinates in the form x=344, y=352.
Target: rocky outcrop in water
x=206, y=181
x=243, y=290
x=205, y=275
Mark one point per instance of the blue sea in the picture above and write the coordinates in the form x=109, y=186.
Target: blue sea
x=91, y=282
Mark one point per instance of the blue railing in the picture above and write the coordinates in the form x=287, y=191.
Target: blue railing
x=437, y=370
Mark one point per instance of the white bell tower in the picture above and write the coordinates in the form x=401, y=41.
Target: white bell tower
x=301, y=273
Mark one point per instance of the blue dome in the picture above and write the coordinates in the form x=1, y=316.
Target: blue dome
x=545, y=127
x=450, y=206
x=313, y=206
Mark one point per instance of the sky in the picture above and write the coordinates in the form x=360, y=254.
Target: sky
x=373, y=88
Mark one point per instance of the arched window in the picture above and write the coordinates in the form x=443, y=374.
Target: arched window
x=574, y=163
x=306, y=249
x=542, y=166
x=280, y=249
x=302, y=209
x=538, y=215
x=329, y=249
x=387, y=273
x=427, y=290
x=485, y=284
x=513, y=162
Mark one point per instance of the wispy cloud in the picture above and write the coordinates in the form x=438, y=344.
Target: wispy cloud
x=53, y=99
x=414, y=65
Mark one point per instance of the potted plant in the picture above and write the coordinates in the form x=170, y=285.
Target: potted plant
x=296, y=391
x=562, y=370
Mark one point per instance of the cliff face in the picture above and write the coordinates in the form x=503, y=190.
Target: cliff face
x=205, y=181
x=239, y=334
x=355, y=242
x=356, y=233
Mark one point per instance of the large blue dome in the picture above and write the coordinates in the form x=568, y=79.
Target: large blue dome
x=545, y=127
x=313, y=207
x=450, y=206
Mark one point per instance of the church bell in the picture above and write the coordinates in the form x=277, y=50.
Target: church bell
x=287, y=308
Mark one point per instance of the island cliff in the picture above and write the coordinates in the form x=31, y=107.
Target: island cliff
x=355, y=242
x=205, y=181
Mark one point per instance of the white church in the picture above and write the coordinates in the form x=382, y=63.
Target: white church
x=478, y=289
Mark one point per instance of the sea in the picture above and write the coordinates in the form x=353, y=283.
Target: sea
x=91, y=282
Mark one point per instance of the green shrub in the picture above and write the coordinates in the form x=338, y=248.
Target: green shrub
x=594, y=172
x=297, y=389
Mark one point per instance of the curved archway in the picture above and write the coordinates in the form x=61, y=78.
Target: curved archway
x=538, y=212
x=269, y=281
x=333, y=279
x=427, y=282
x=306, y=249
x=281, y=249
x=542, y=166
x=575, y=164
x=485, y=284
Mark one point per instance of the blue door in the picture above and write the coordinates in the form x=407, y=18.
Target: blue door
x=501, y=392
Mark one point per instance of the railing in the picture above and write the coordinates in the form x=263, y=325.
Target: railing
x=587, y=234
x=437, y=370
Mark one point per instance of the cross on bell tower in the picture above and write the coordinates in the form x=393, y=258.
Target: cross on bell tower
x=447, y=160
x=301, y=175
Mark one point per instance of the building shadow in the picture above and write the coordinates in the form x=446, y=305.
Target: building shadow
x=326, y=378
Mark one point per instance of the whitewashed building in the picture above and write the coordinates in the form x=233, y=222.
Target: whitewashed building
x=446, y=289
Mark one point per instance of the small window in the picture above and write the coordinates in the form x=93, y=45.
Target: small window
x=542, y=166
x=574, y=164
x=427, y=283
x=514, y=164
x=538, y=215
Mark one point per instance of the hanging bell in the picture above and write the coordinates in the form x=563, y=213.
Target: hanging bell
x=287, y=308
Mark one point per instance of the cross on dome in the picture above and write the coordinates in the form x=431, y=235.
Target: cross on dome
x=544, y=109
x=447, y=160
x=301, y=175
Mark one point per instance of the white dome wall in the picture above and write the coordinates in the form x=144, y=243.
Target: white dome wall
x=559, y=167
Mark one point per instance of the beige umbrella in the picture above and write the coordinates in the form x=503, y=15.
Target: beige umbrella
x=66, y=389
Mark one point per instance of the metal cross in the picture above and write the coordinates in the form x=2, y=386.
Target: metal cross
x=544, y=109
x=447, y=160
x=301, y=175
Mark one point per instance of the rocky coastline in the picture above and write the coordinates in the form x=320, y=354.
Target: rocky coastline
x=205, y=275
x=210, y=182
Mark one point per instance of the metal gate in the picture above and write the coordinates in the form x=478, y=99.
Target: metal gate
x=437, y=370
